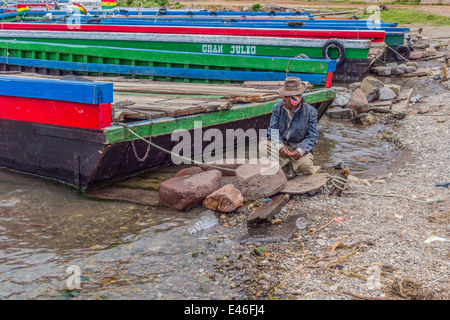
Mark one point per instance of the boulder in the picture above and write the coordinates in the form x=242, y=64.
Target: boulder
x=183, y=193
x=341, y=100
x=358, y=102
x=385, y=71
x=394, y=87
x=341, y=113
x=353, y=86
x=226, y=199
x=386, y=94
x=229, y=165
x=370, y=87
x=260, y=180
x=416, y=55
x=188, y=171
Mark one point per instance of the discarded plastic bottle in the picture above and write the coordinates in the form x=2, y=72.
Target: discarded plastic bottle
x=301, y=223
x=207, y=219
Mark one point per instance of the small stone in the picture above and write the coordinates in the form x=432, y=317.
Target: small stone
x=386, y=94
x=394, y=87
x=412, y=64
x=353, y=86
x=259, y=251
x=364, y=119
x=397, y=71
x=226, y=199
x=384, y=71
x=410, y=69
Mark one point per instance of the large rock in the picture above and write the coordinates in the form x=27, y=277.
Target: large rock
x=188, y=171
x=260, y=180
x=226, y=199
x=226, y=166
x=341, y=113
x=358, y=102
x=342, y=98
x=370, y=87
x=416, y=55
x=183, y=193
x=386, y=94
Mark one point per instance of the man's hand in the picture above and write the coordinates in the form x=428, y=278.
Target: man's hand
x=296, y=155
x=284, y=152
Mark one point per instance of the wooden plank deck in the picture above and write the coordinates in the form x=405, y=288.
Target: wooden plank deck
x=136, y=99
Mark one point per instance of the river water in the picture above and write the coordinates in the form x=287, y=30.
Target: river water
x=53, y=238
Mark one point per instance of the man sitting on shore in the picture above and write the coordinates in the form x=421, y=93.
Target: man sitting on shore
x=292, y=131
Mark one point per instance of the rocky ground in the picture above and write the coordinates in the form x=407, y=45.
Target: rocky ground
x=361, y=246
x=365, y=244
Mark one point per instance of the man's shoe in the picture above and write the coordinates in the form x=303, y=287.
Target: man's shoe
x=289, y=171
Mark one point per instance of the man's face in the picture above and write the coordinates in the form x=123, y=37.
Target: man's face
x=287, y=102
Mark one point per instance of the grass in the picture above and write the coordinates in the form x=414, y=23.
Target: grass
x=410, y=16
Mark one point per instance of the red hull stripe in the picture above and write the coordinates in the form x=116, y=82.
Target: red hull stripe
x=72, y=91
x=59, y=113
x=374, y=36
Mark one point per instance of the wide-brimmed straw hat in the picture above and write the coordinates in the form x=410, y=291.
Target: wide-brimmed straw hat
x=292, y=86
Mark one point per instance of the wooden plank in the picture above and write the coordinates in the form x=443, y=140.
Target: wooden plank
x=402, y=106
x=268, y=210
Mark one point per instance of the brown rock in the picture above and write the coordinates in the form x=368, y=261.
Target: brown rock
x=226, y=199
x=183, y=193
x=260, y=180
x=370, y=87
x=358, y=102
x=415, y=55
x=229, y=165
x=188, y=172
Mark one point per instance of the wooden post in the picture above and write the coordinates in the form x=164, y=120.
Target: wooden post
x=336, y=192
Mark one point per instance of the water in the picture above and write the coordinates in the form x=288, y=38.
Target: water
x=128, y=251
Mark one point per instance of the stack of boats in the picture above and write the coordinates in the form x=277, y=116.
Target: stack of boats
x=88, y=133
x=196, y=46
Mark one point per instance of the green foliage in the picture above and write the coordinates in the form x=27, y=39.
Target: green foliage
x=256, y=7
x=129, y=2
x=409, y=16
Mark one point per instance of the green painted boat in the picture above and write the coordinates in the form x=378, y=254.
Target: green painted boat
x=352, y=56
x=93, y=150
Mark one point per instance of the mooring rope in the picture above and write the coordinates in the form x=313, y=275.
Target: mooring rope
x=341, y=183
x=172, y=153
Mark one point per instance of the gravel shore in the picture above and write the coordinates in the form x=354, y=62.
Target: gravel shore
x=362, y=246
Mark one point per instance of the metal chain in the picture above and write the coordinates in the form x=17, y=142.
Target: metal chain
x=148, y=145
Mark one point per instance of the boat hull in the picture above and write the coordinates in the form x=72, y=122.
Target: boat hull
x=86, y=156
